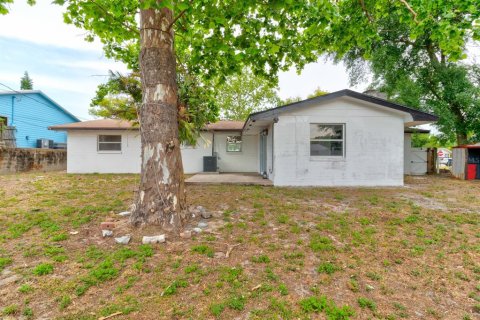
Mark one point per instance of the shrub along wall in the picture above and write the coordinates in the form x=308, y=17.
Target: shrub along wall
x=13, y=160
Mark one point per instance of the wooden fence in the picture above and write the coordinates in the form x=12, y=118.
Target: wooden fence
x=7, y=137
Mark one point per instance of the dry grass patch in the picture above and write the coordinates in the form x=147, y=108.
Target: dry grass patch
x=293, y=253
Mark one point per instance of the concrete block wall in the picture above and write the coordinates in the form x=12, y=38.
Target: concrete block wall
x=374, y=142
x=14, y=160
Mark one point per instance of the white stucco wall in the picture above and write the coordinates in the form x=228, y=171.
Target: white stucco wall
x=406, y=153
x=373, y=151
x=245, y=161
x=192, y=157
x=83, y=157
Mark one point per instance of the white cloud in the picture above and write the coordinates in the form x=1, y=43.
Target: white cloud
x=43, y=24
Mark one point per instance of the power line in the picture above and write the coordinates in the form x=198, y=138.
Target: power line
x=30, y=124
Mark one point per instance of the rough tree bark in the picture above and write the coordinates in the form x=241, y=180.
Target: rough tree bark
x=161, y=196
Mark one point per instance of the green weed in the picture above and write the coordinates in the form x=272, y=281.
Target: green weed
x=204, y=249
x=328, y=268
x=10, y=310
x=366, y=303
x=320, y=243
x=25, y=288
x=323, y=304
x=43, y=269
x=236, y=302
x=4, y=262
x=28, y=313
x=261, y=259
x=65, y=301
x=217, y=309
x=282, y=289
x=172, y=288
x=60, y=237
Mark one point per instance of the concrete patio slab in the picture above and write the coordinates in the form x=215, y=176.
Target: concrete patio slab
x=229, y=178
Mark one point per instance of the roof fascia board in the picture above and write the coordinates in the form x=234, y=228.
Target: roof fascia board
x=416, y=114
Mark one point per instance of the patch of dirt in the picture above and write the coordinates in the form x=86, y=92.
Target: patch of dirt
x=424, y=202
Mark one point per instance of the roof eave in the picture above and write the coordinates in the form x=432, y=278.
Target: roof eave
x=417, y=115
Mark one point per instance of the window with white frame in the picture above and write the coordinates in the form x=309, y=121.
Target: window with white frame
x=234, y=143
x=327, y=140
x=109, y=142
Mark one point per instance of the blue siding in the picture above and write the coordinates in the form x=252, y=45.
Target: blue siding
x=32, y=115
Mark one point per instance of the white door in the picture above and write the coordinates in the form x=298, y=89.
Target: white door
x=418, y=161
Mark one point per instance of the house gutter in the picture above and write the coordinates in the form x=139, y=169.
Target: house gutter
x=13, y=105
x=213, y=143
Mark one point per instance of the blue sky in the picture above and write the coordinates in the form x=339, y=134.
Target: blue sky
x=69, y=76
x=68, y=69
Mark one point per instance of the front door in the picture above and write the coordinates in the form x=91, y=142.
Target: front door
x=263, y=153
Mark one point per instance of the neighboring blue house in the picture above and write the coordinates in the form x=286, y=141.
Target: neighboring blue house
x=31, y=112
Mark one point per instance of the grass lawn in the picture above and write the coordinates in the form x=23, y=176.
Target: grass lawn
x=294, y=253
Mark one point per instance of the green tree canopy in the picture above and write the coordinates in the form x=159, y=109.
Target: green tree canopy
x=118, y=98
x=426, y=140
x=290, y=100
x=213, y=38
x=121, y=98
x=317, y=93
x=26, y=83
x=241, y=94
x=412, y=49
x=213, y=41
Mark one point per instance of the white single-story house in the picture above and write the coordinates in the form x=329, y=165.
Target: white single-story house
x=343, y=138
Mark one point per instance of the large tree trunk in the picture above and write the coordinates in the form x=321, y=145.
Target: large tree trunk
x=462, y=138
x=161, y=196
